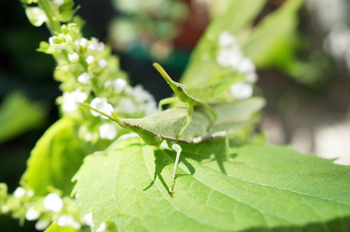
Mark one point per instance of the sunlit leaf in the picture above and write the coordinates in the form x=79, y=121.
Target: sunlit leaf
x=261, y=189
x=56, y=228
x=55, y=159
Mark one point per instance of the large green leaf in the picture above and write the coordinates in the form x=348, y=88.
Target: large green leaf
x=18, y=115
x=55, y=159
x=262, y=189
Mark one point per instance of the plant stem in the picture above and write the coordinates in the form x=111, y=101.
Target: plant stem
x=52, y=23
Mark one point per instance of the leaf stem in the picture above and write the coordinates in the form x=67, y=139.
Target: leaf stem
x=52, y=23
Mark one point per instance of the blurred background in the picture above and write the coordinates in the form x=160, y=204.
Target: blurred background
x=308, y=108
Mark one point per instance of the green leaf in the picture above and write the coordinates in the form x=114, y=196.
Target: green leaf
x=36, y=16
x=273, y=41
x=238, y=16
x=55, y=158
x=3, y=190
x=19, y=115
x=29, y=1
x=262, y=189
x=66, y=11
x=56, y=228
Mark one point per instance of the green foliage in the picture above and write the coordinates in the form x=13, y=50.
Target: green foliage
x=36, y=16
x=55, y=159
x=56, y=228
x=255, y=191
x=203, y=65
x=271, y=43
x=19, y=115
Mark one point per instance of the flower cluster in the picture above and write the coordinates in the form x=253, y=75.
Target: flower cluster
x=230, y=55
x=90, y=74
x=46, y=210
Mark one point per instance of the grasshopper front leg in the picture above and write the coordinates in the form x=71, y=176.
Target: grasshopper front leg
x=167, y=101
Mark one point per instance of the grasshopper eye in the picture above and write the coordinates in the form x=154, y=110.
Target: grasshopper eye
x=180, y=88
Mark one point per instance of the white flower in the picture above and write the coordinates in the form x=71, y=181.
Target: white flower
x=42, y=224
x=69, y=38
x=141, y=95
x=5, y=209
x=53, y=202
x=90, y=59
x=119, y=84
x=88, y=221
x=30, y=193
x=68, y=220
x=128, y=90
x=108, y=131
x=241, y=90
x=101, y=104
x=19, y=192
x=102, y=227
x=151, y=108
x=126, y=105
x=70, y=99
x=95, y=45
x=32, y=215
x=251, y=77
x=246, y=66
x=51, y=41
x=229, y=57
x=84, y=78
x=83, y=42
x=102, y=63
x=88, y=137
x=226, y=39
x=58, y=2
x=338, y=41
x=73, y=57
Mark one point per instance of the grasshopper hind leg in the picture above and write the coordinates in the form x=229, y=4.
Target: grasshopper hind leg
x=178, y=150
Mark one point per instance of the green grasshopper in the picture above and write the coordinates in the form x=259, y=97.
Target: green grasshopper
x=196, y=94
x=165, y=125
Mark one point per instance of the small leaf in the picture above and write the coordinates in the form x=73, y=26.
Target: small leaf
x=36, y=16
x=29, y=1
x=56, y=228
x=18, y=115
x=262, y=189
x=67, y=15
x=55, y=159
